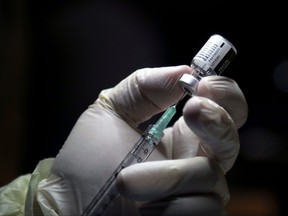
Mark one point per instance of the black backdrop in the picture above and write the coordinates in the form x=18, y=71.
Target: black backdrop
x=73, y=49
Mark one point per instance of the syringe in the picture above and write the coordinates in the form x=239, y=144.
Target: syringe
x=212, y=59
x=139, y=153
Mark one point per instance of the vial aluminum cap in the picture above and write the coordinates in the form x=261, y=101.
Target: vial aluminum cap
x=189, y=83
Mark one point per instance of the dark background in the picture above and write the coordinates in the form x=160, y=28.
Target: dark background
x=56, y=56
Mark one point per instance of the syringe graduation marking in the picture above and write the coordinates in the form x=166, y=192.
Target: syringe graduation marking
x=139, y=153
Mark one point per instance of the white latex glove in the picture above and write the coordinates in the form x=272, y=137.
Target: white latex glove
x=185, y=175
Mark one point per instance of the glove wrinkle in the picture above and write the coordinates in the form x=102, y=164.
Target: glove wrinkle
x=157, y=179
x=225, y=92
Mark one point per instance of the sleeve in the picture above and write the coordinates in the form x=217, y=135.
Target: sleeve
x=18, y=198
x=13, y=196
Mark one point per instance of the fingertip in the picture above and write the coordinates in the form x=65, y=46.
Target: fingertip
x=198, y=111
x=191, y=108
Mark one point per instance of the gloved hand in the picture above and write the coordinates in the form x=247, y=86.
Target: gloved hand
x=185, y=174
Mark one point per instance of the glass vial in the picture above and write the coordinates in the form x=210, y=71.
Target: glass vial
x=212, y=59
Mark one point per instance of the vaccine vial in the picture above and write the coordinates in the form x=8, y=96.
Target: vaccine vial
x=212, y=59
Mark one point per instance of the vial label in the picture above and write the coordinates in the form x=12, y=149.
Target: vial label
x=216, y=54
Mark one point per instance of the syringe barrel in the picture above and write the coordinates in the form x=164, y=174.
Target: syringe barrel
x=104, y=199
